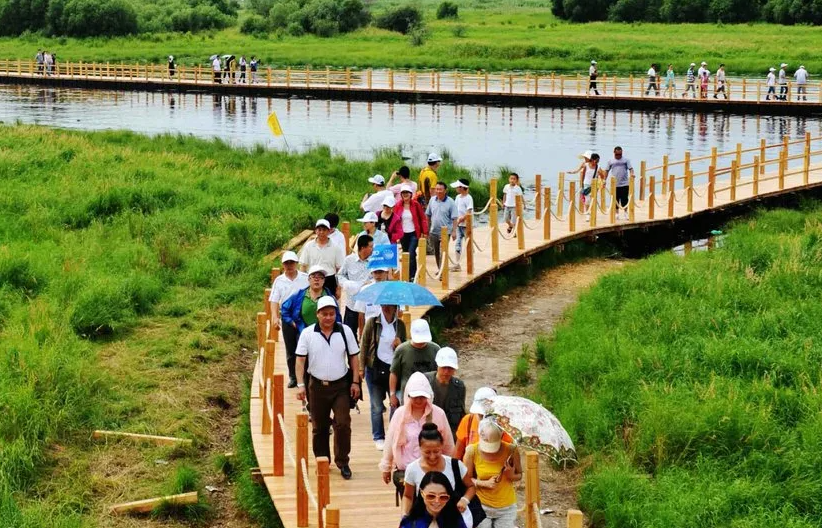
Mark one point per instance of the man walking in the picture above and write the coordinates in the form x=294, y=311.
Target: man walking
x=322, y=252
x=332, y=353
x=801, y=77
x=449, y=390
x=372, y=203
x=352, y=277
x=465, y=206
x=417, y=355
x=771, y=83
x=783, y=82
x=39, y=60
x=652, y=81
x=619, y=167
x=215, y=67
x=441, y=212
x=428, y=177
x=720, y=82
x=286, y=285
x=690, y=77
x=592, y=78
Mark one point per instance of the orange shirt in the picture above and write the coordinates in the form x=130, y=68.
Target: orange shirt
x=468, y=431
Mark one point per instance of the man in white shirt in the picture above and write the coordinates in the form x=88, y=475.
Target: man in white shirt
x=720, y=82
x=510, y=192
x=322, y=252
x=771, y=83
x=352, y=277
x=332, y=352
x=465, y=205
x=592, y=78
x=215, y=65
x=373, y=202
x=801, y=77
x=335, y=235
x=652, y=81
x=702, y=68
x=287, y=284
x=783, y=82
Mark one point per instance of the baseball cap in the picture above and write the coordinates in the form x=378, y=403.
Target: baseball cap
x=380, y=268
x=406, y=188
x=289, y=256
x=316, y=268
x=377, y=178
x=772, y=69
x=447, y=357
x=368, y=217
x=593, y=62
x=703, y=63
x=801, y=67
x=482, y=394
x=587, y=154
x=434, y=157
x=462, y=182
x=783, y=64
x=326, y=301
x=389, y=201
x=420, y=331
x=693, y=64
x=485, y=429
x=322, y=222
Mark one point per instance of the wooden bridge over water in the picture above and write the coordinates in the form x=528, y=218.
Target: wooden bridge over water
x=482, y=87
x=304, y=492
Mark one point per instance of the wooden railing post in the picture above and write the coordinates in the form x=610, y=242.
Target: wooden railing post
x=346, y=231
x=651, y=197
x=444, y=239
x=762, y=157
x=469, y=241
x=422, y=269
x=711, y=185
x=494, y=222
x=405, y=266
x=266, y=304
x=739, y=154
x=278, y=404
x=642, y=176
x=665, y=174
x=574, y=519
x=612, y=210
x=689, y=182
x=806, y=160
x=632, y=198
x=532, y=492
x=332, y=517
x=520, y=223
x=406, y=320
x=561, y=194
x=593, y=209
x=261, y=331
x=572, y=208
x=268, y=358
x=266, y=425
x=713, y=156
x=687, y=162
x=323, y=489
x=783, y=166
x=756, y=176
x=302, y=453
x=538, y=197
x=546, y=219
x=671, y=200
x=734, y=178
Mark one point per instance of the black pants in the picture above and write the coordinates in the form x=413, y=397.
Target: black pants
x=325, y=398
x=290, y=338
x=352, y=320
x=622, y=196
x=217, y=78
x=592, y=85
x=652, y=86
x=409, y=243
x=783, y=91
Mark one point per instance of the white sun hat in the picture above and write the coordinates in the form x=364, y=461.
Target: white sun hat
x=368, y=217
x=482, y=394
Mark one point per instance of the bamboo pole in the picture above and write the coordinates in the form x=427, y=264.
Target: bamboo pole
x=572, y=210
x=651, y=198
x=147, y=505
x=494, y=222
x=422, y=269
x=444, y=256
x=277, y=439
x=469, y=238
x=302, y=453
x=546, y=219
x=159, y=440
x=323, y=489
x=520, y=224
x=538, y=197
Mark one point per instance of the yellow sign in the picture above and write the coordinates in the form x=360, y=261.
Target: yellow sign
x=274, y=124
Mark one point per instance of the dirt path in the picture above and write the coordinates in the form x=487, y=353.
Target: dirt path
x=488, y=348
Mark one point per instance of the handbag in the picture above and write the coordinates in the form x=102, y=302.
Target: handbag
x=477, y=512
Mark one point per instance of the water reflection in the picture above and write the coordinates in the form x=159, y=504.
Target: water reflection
x=529, y=140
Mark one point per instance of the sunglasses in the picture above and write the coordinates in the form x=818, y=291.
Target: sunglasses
x=431, y=497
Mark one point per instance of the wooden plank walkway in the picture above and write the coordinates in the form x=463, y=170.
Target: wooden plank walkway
x=515, y=88
x=365, y=499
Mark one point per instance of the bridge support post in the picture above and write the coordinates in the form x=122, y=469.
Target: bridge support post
x=572, y=211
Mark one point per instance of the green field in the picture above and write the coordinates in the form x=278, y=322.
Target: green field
x=692, y=385
x=130, y=270
x=497, y=35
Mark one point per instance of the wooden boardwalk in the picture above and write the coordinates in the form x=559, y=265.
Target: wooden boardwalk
x=512, y=88
x=730, y=178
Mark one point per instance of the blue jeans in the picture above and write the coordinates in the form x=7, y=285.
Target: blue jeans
x=377, y=395
x=460, y=236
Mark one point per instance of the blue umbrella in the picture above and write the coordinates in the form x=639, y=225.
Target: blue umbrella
x=397, y=292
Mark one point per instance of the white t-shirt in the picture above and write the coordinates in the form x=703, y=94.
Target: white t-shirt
x=783, y=77
x=592, y=71
x=414, y=474
x=511, y=194
x=330, y=256
x=215, y=65
x=771, y=79
x=283, y=287
x=589, y=174
x=720, y=76
x=651, y=74
x=464, y=204
x=373, y=203
x=338, y=239
x=327, y=359
x=699, y=72
x=385, y=346
x=801, y=76
x=407, y=221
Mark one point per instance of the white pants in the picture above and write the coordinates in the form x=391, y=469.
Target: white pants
x=499, y=517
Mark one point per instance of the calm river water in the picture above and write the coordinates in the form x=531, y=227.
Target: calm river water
x=484, y=138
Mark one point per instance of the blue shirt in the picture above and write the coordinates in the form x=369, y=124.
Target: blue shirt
x=441, y=213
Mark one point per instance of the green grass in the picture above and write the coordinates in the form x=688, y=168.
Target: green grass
x=691, y=386
x=129, y=270
x=493, y=35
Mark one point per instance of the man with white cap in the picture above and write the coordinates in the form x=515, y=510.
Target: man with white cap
x=592, y=78
x=322, y=252
x=441, y=212
x=771, y=83
x=428, y=177
x=783, y=82
x=417, y=355
x=285, y=285
x=449, y=390
x=465, y=205
x=333, y=381
x=353, y=275
x=702, y=68
x=467, y=432
x=369, y=224
x=373, y=202
x=690, y=77
x=801, y=77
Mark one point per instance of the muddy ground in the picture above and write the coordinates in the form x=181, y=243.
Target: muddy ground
x=488, y=350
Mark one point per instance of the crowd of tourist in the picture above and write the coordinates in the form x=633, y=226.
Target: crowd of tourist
x=697, y=81
x=449, y=466
x=228, y=70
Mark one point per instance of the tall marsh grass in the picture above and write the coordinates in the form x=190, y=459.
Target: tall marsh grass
x=692, y=384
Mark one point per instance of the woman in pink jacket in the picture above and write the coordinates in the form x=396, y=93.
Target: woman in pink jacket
x=402, y=439
x=408, y=225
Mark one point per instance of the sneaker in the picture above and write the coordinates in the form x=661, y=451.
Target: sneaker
x=455, y=268
x=379, y=444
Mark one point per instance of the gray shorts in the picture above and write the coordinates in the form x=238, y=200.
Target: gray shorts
x=509, y=214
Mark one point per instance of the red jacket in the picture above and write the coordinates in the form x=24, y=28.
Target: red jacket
x=417, y=214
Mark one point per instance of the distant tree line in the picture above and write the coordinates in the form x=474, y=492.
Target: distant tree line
x=677, y=11
x=87, y=18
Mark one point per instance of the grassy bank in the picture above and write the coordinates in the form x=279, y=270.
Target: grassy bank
x=130, y=268
x=692, y=385
x=497, y=36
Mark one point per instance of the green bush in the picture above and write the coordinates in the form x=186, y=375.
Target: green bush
x=253, y=24
x=400, y=19
x=418, y=35
x=18, y=16
x=324, y=18
x=87, y=18
x=447, y=10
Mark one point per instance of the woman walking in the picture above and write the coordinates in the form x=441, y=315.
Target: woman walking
x=408, y=225
x=435, y=506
